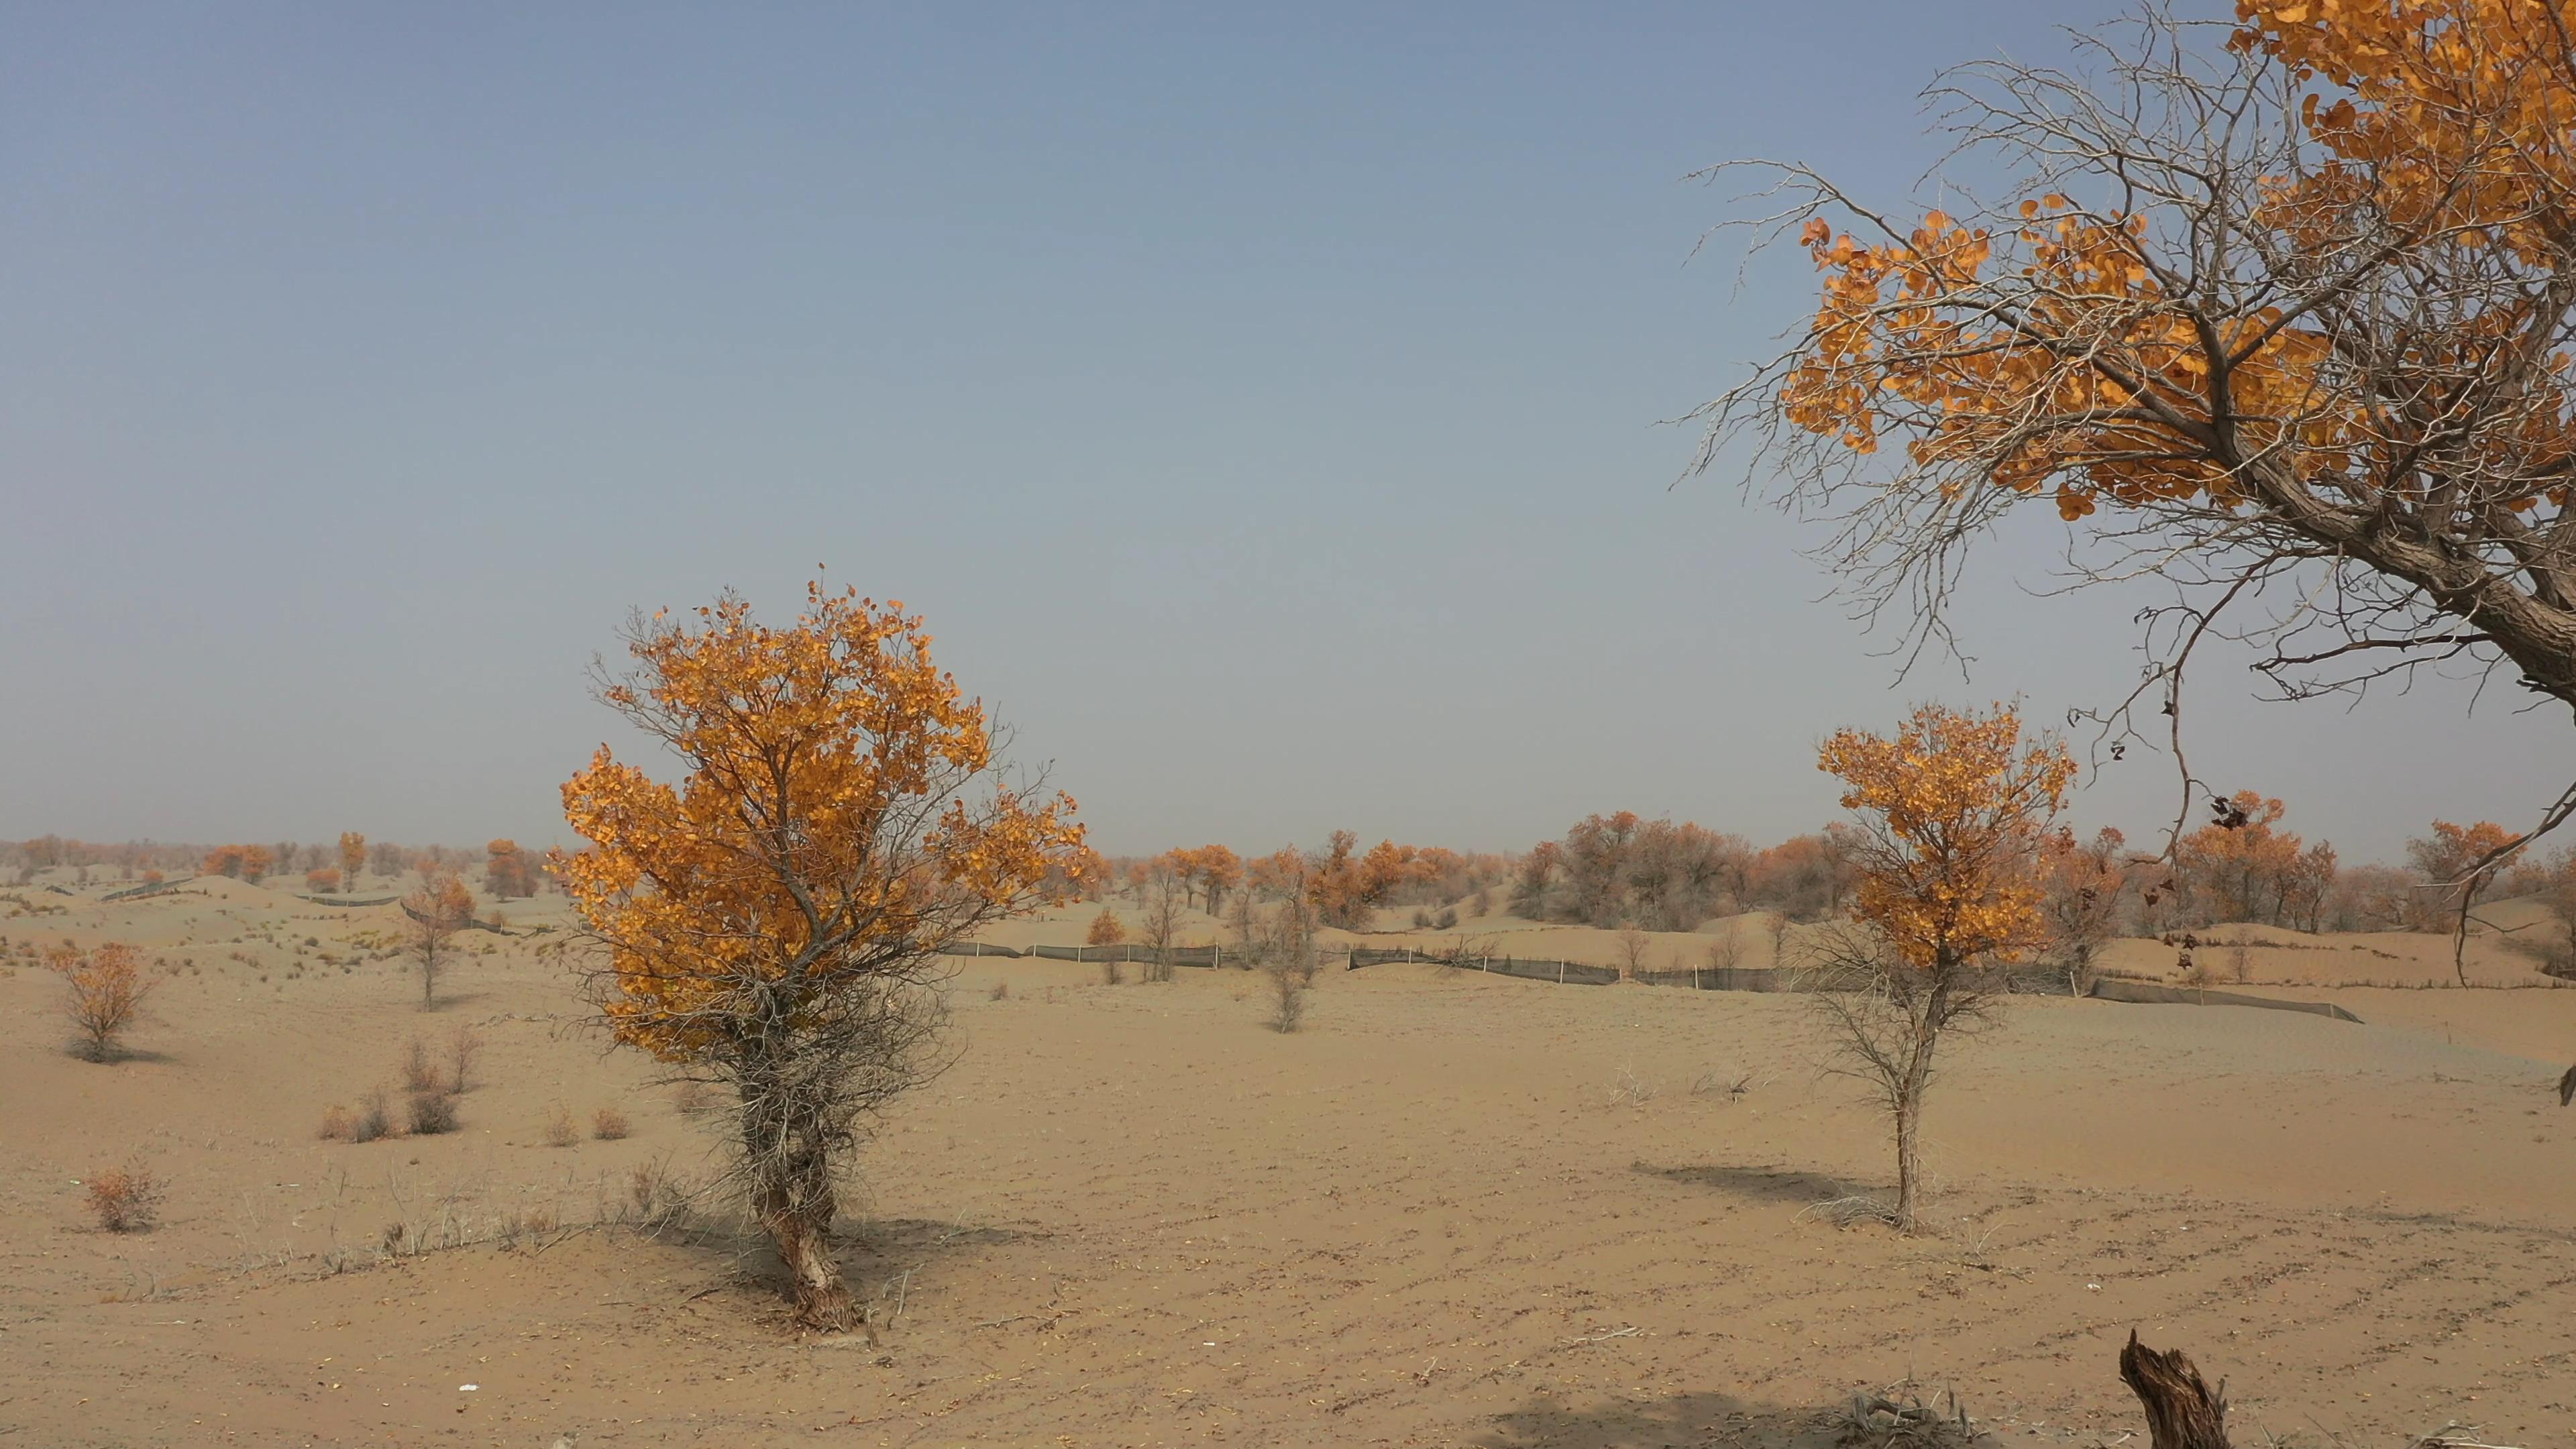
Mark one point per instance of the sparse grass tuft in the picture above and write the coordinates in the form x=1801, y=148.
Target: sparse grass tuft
x=560, y=1131
x=608, y=1124
x=338, y=1125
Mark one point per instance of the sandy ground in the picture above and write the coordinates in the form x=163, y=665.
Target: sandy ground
x=1455, y=1210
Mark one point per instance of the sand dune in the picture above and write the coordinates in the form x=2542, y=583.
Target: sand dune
x=1134, y=1215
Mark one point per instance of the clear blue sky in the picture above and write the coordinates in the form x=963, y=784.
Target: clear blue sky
x=1264, y=411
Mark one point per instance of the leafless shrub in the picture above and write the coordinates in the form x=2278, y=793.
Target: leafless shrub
x=419, y=1074
x=1161, y=928
x=1001, y=992
x=1885, y=1020
x=2240, y=963
x=463, y=1045
x=559, y=1128
x=1633, y=945
x=338, y=1125
x=1629, y=1089
x=375, y=1117
x=608, y=1124
x=432, y=1113
x=124, y=1199
x=694, y=1097
x=1287, y=957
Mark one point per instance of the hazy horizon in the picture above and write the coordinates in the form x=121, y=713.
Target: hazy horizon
x=1264, y=412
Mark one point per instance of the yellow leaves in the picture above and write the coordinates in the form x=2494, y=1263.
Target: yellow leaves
x=823, y=816
x=1956, y=809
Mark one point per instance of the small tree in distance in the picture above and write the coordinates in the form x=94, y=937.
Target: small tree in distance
x=437, y=909
x=1953, y=812
x=774, y=920
x=104, y=988
x=2463, y=861
x=1162, y=926
x=353, y=856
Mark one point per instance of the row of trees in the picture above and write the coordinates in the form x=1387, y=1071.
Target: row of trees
x=508, y=871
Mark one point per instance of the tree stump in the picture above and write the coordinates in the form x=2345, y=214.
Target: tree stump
x=2182, y=1411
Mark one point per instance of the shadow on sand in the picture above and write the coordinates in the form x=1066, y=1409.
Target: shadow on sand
x=1680, y=1421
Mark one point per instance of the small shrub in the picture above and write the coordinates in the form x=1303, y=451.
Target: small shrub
x=463, y=1046
x=1001, y=992
x=375, y=1118
x=693, y=1098
x=338, y=1125
x=559, y=1129
x=1422, y=920
x=124, y=1199
x=608, y=1124
x=1447, y=918
x=432, y=1113
x=419, y=1074
x=103, y=990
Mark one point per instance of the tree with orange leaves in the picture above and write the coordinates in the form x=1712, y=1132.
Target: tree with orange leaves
x=353, y=856
x=773, y=921
x=439, y=908
x=104, y=988
x=2287, y=320
x=1954, y=811
x=508, y=871
x=2463, y=860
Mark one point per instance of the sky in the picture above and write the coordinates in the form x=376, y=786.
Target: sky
x=1269, y=413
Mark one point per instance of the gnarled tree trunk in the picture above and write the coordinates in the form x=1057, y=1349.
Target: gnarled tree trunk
x=2182, y=1411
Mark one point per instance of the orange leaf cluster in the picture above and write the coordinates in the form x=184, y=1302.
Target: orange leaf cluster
x=821, y=829
x=2454, y=127
x=1955, y=810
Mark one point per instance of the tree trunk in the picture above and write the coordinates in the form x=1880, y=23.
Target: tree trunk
x=794, y=1202
x=1909, y=1118
x=1927, y=1010
x=2182, y=1411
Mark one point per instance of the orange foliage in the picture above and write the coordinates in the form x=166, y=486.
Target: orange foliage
x=2240, y=868
x=1106, y=930
x=323, y=881
x=1345, y=890
x=246, y=862
x=104, y=989
x=353, y=855
x=508, y=871
x=806, y=747
x=1207, y=873
x=2456, y=128
x=1954, y=810
x=2449, y=853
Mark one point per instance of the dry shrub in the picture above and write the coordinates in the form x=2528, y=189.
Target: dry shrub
x=419, y=1073
x=104, y=990
x=560, y=1131
x=693, y=1098
x=1883, y=1421
x=608, y=1124
x=1001, y=992
x=338, y=1125
x=432, y=1113
x=124, y=1199
x=463, y=1046
x=375, y=1118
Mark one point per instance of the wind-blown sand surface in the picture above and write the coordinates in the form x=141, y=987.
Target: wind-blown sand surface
x=1134, y=1215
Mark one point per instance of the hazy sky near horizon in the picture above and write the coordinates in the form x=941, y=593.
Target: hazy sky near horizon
x=1264, y=409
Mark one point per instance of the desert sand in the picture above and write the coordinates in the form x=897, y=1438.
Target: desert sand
x=1454, y=1210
